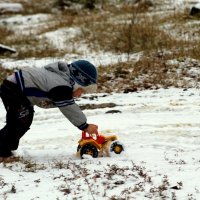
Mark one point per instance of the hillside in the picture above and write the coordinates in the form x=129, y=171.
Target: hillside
x=135, y=45
x=148, y=60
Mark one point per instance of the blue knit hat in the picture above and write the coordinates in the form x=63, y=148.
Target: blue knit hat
x=83, y=72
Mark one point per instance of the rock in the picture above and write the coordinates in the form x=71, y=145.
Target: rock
x=127, y=90
x=195, y=11
x=113, y=111
x=4, y=49
x=97, y=106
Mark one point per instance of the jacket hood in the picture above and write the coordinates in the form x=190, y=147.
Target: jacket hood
x=63, y=70
x=60, y=68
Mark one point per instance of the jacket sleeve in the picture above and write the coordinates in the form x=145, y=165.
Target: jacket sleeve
x=75, y=116
x=62, y=98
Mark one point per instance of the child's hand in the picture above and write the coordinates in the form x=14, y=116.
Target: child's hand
x=92, y=128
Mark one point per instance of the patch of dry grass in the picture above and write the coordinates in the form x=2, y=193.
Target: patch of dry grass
x=36, y=45
x=125, y=29
x=4, y=73
x=142, y=32
x=36, y=6
x=4, y=34
x=150, y=72
x=33, y=46
x=137, y=34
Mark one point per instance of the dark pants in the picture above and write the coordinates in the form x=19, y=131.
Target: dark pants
x=18, y=118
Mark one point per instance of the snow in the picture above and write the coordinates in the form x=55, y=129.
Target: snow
x=11, y=7
x=101, y=58
x=58, y=39
x=185, y=3
x=197, y=5
x=159, y=128
x=26, y=24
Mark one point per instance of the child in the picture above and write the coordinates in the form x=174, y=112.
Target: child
x=54, y=85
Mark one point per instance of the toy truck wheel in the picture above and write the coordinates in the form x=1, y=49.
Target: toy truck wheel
x=116, y=147
x=89, y=149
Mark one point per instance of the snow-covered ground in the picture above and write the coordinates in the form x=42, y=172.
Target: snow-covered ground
x=159, y=128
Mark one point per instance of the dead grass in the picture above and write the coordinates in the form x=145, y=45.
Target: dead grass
x=36, y=45
x=150, y=72
x=139, y=7
x=112, y=30
x=4, y=73
x=33, y=46
x=36, y=6
x=176, y=17
x=60, y=21
x=139, y=33
x=5, y=33
x=127, y=28
x=188, y=50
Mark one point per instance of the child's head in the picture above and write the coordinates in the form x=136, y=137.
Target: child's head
x=84, y=74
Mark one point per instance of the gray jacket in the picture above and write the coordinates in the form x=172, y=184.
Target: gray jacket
x=51, y=86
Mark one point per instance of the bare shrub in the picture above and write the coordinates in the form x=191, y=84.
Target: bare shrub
x=140, y=36
x=139, y=33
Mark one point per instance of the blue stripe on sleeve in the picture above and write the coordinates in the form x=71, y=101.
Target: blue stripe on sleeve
x=64, y=103
x=35, y=92
x=83, y=126
x=32, y=91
